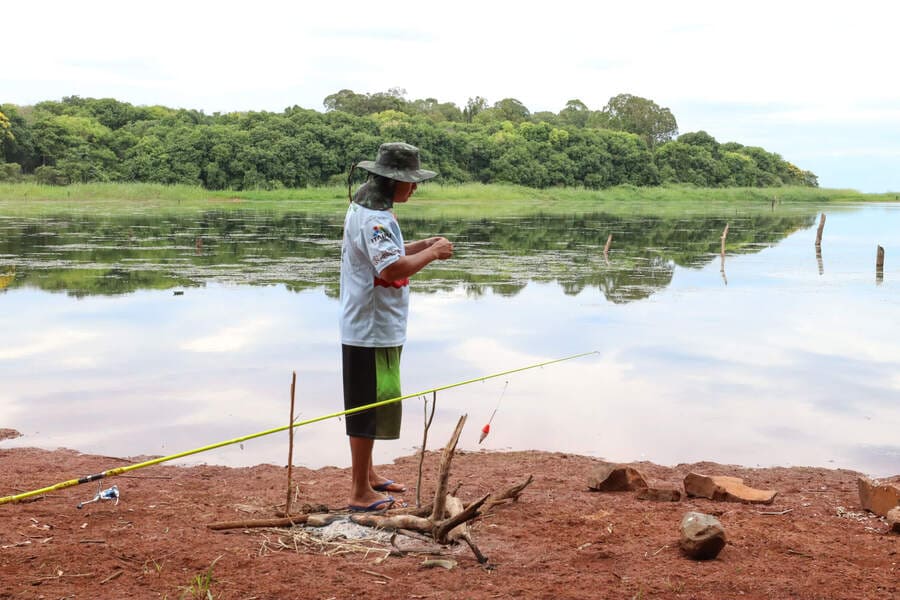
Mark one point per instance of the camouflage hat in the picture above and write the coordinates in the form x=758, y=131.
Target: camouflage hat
x=398, y=161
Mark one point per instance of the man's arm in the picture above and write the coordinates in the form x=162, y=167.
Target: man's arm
x=433, y=249
x=416, y=247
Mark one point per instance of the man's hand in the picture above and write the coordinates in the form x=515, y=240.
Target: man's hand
x=441, y=246
x=431, y=249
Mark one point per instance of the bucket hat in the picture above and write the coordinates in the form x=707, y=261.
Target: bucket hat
x=398, y=161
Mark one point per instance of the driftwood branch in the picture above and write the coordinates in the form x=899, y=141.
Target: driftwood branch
x=440, y=496
x=444, y=527
x=393, y=522
x=509, y=494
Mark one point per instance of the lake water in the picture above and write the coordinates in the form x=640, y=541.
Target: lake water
x=150, y=336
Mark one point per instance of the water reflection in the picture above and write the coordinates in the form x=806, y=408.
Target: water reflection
x=84, y=256
x=784, y=365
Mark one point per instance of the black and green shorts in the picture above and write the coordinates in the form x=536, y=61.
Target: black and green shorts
x=372, y=375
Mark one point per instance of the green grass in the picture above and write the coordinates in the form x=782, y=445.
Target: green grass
x=200, y=586
x=431, y=200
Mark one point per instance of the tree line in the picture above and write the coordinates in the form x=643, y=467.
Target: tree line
x=631, y=140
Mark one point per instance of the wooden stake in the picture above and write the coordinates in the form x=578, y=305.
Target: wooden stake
x=724, y=235
x=819, y=231
x=428, y=419
x=287, y=504
x=879, y=258
x=608, y=244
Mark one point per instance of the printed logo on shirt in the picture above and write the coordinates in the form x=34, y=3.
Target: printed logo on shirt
x=379, y=233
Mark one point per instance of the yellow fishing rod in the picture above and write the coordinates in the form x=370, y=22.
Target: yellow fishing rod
x=148, y=463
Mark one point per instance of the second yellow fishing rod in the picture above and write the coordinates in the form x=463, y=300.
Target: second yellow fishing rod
x=148, y=463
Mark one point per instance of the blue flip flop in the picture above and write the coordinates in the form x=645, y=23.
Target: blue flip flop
x=383, y=487
x=374, y=507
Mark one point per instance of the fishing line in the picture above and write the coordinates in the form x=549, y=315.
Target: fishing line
x=148, y=463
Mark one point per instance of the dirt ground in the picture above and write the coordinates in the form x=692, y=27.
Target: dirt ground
x=560, y=540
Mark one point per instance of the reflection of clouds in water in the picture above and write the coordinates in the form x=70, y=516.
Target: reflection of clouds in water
x=231, y=338
x=41, y=343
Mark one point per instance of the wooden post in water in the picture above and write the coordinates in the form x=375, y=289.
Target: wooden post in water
x=879, y=265
x=606, y=248
x=287, y=504
x=819, y=231
x=722, y=268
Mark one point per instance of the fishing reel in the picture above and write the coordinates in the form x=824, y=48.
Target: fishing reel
x=111, y=493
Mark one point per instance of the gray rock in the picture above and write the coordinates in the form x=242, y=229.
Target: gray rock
x=702, y=536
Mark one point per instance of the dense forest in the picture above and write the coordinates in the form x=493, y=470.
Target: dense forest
x=631, y=140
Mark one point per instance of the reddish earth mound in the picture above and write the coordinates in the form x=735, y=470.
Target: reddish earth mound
x=560, y=540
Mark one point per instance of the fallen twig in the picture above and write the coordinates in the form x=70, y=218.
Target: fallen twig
x=366, y=571
x=775, y=513
x=250, y=524
x=111, y=577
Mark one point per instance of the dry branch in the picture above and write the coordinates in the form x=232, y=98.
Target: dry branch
x=443, y=528
x=393, y=522
x=512, y=494
x=440, y=495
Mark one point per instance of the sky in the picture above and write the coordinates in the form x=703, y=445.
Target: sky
x=814, y=82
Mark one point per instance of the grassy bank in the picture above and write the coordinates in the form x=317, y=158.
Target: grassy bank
x=469, y=200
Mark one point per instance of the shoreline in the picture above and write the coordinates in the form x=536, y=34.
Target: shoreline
x=558, y=540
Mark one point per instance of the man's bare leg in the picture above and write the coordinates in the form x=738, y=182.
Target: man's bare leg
x=361, y=492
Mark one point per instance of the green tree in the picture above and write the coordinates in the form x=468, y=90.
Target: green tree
x=510, y=109
x=703, y=140
x=641, y=116
x=473, y=107
x=576, y=113
x=5, y=129
x=742, y=171
x=685, y=163
x=18, y=146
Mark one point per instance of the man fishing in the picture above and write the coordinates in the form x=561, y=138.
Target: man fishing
x=375, y=268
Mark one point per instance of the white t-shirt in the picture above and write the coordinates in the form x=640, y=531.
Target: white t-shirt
x=373, y=311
